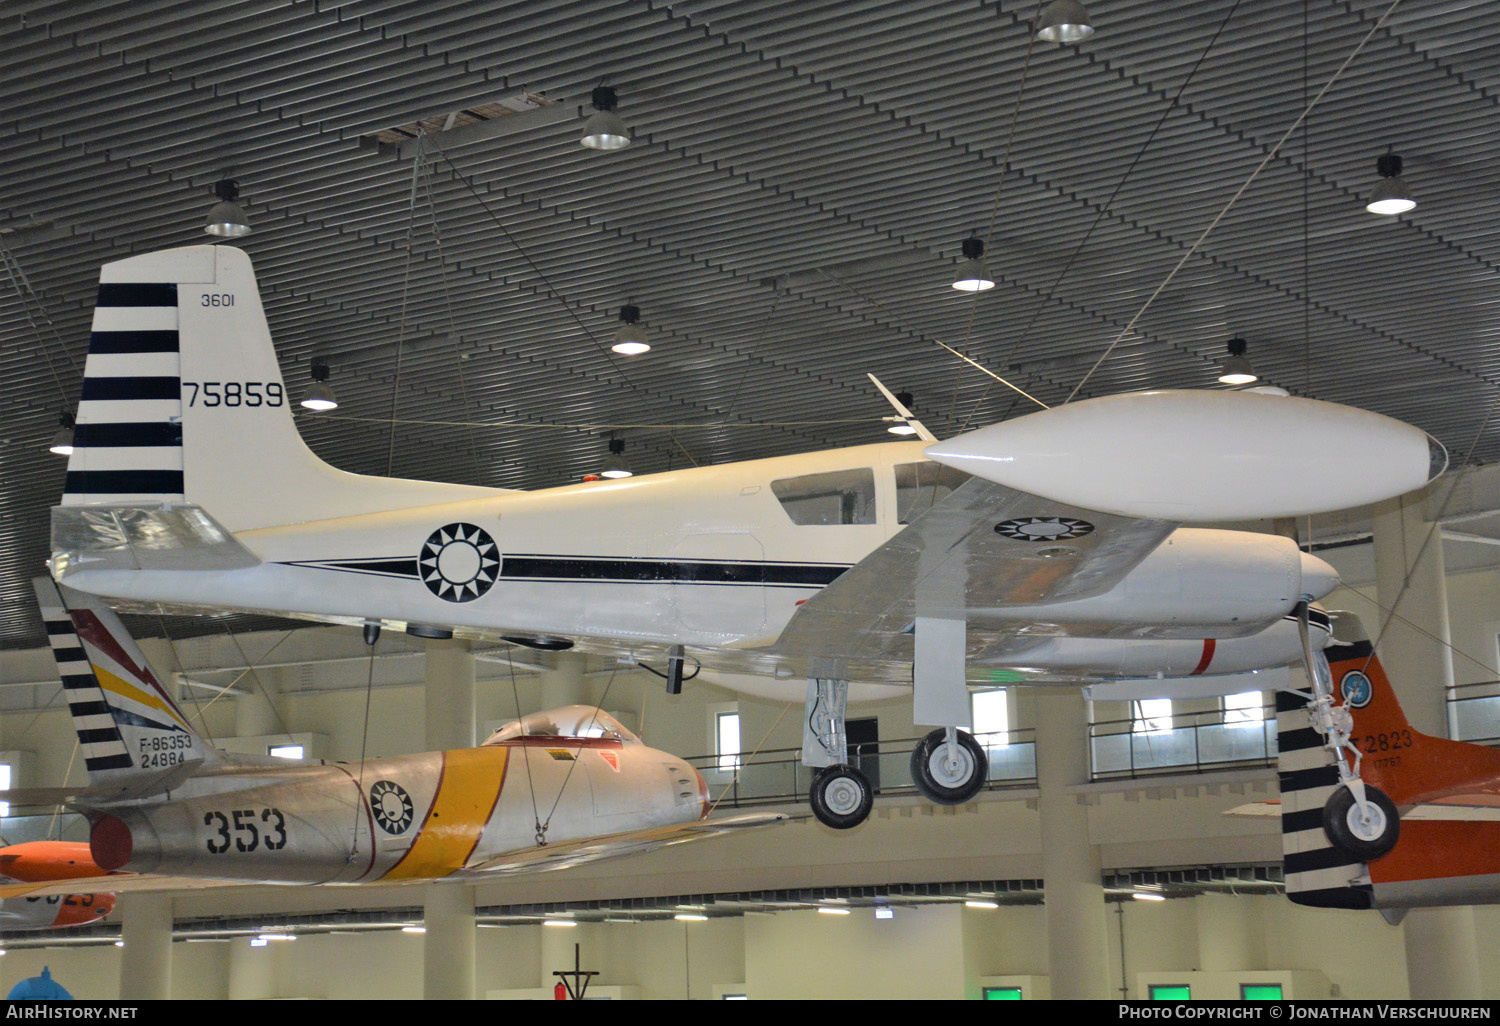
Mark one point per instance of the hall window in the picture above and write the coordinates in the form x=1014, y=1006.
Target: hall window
x=1153, y=715
x=1245, y=709
x=991, y=717
x=836, y=497
x=727, y=740
x=4, y=786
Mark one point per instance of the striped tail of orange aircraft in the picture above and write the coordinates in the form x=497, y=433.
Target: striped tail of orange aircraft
x=161, y=801
x=1427, y=831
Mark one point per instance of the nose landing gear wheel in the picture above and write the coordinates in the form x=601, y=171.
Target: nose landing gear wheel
x=841, y=797
x=948, y=777
x=1364, y=833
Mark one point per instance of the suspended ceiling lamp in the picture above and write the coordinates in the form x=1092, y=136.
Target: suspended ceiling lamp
x=604, y=130
x=1391, y=196
x=62, y=442
x=630, y=336
x=617, y=465
x=319, y=395
x=1064, y=21
x=227, y=218
x=1236, y=369
x=972, y=276
x=901, y=427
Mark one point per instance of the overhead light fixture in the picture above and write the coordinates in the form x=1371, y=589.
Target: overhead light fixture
x=617, y=465
x=62, y=442
x=319, y=395
x=885, y=912
x=1236, y=369
x=830, y=911
x=630, y=336
x=227, y=218
x=559, y=922
x=1148, y=896
x=980, y=903
x=413, y=929
x=1064, y=21
x=691, y=917
x=901, y=427
x=604, y=130
x=1391, y=196
x=972, y=276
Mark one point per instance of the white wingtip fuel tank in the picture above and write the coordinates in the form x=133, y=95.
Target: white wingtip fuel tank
x=1201, y=455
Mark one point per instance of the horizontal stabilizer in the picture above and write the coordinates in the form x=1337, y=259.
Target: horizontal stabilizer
x=154, y=536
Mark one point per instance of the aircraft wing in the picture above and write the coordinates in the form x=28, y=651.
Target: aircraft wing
x=116, y=883
x=575, y=853
x=152, y=536
x=1458, y=808
x=982, y=546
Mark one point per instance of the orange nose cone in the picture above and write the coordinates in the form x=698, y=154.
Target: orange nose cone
x=82, y=909
x=110, y=843
x=702, y=793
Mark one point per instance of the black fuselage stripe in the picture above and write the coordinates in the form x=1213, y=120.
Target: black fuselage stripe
x=675, y=571
x=1308, y=861
x=1349, y=652
x=107, y=482
x=105, y=436
x=119, y=294
x=114, y=389
x=1296, y=822
x=133, y=342
x=1306, y=780
x=1299, y=740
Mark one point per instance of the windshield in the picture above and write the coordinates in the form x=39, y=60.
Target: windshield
x=573, y=721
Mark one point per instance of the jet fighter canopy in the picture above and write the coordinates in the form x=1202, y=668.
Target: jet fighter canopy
x=571, y=721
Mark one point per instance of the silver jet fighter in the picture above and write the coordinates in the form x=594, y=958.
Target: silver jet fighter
x=1050, y=547
x=161, y=801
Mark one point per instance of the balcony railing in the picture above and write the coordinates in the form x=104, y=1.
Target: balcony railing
x=1191, y=742
x=1474, y=712
x=777, y=775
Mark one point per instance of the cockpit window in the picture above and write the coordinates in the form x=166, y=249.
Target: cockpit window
x=574, y=721
x=920, y=486
x=837, y=497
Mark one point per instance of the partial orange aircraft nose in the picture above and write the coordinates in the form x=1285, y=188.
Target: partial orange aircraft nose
x=82, y=909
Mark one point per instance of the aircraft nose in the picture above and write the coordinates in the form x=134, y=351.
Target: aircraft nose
x=1318, y=578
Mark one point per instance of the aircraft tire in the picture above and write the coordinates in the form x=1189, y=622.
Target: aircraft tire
x=929, y=769
x=841, y=797
x=1361, y=840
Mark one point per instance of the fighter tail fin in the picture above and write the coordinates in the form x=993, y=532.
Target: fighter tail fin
x=132, y=736
x=183, y=400
x=1408, y=766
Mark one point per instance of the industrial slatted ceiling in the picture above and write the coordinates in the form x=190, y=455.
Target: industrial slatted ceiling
x=773, y=142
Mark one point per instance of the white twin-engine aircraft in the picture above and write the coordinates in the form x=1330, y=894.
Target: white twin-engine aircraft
x=1050, y=546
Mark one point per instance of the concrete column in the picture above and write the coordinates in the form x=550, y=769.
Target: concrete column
x=1072, y=882
x=450, y=695
x=1410, y=580
x=448, y=946
x=252, y=974
x=1442, y=954
x=146, y=962
x=565, y=683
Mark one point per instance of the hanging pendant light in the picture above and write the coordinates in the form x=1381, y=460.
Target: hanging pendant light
x=617, y=465
x=1064, y=21
x=901, y=427
x=319, y=395
x=630, y=336
x=1391, y=196
x=604, y=130
x=1236, y=369
x=227, y=218
x=62, y=442
x=972, y=275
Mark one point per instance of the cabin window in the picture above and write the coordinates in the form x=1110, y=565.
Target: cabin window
x=920, y=486
x=837, y=497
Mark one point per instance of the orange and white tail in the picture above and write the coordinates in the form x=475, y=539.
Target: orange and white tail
x=183, y=401
x=1447, y=792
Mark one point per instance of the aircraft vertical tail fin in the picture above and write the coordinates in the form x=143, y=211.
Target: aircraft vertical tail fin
x=131, y=734
x=183, y=401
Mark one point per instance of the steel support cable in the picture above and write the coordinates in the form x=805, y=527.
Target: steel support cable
x=740, y=767
x=603, y=696
x=536, y=816
x=1104, y=210
x=1307, y=110
x=411, y=224
x=364, y=741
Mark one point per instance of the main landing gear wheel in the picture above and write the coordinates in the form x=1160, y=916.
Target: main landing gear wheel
x=841, y=797
x=948, y=776
x=1364, y=833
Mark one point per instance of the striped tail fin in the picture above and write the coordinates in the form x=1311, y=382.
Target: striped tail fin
x=183, y=400
x=133, y=737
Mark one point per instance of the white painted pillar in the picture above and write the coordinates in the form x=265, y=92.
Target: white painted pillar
x=1231, y=932
x=449, y=695
x=448, y=945
x=1442, y=954
x=146, y=962
x=1410, y=578
x=251, y=971
x=1072, y=881
x=565, y=683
